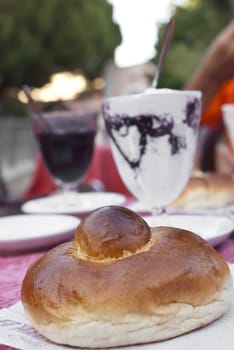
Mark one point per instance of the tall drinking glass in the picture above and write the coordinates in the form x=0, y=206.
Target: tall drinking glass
x=153, y=138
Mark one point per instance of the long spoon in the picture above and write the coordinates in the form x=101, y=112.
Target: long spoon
x=163, y=53
x=34, y=108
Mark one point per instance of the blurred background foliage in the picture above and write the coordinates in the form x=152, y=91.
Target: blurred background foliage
x=40, y=37
x=196, y=24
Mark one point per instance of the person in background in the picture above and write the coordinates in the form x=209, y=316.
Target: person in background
x=215, y=78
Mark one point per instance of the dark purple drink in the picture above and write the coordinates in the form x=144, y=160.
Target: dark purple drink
x=67, y=156
x=67, y=145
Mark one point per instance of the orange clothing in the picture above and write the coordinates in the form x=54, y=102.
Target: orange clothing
x=212, y=116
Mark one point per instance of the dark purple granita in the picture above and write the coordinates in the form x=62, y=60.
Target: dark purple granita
x=147, y=126
x=192, y=114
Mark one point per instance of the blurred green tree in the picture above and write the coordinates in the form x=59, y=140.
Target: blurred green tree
x=41, y=37
x=197, y=23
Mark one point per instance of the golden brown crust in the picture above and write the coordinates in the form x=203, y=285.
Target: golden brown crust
x=206, y=190
x=165, y=282
x=177, y=267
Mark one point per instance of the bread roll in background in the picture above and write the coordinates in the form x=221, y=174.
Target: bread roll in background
x=121, y=282
x=206, y=190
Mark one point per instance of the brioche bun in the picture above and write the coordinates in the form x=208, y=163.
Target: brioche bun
x=206, y=190
x=121, y=282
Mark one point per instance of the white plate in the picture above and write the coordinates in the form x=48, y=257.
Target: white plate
x=142, y=207
x=27, y=232
x=72, y=202
x=213, y=228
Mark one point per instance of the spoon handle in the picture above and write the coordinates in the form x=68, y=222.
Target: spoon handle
x=166, y=43
x=34, y=107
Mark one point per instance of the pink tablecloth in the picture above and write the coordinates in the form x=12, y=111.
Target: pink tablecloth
x=12, y=271
x=13, y=268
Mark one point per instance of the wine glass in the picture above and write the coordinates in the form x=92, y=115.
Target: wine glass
x=153, y=138
x=66, y=141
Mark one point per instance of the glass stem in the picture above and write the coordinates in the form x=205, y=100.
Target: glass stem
x=158, y=211
x=65, y=192
x=159, y=216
